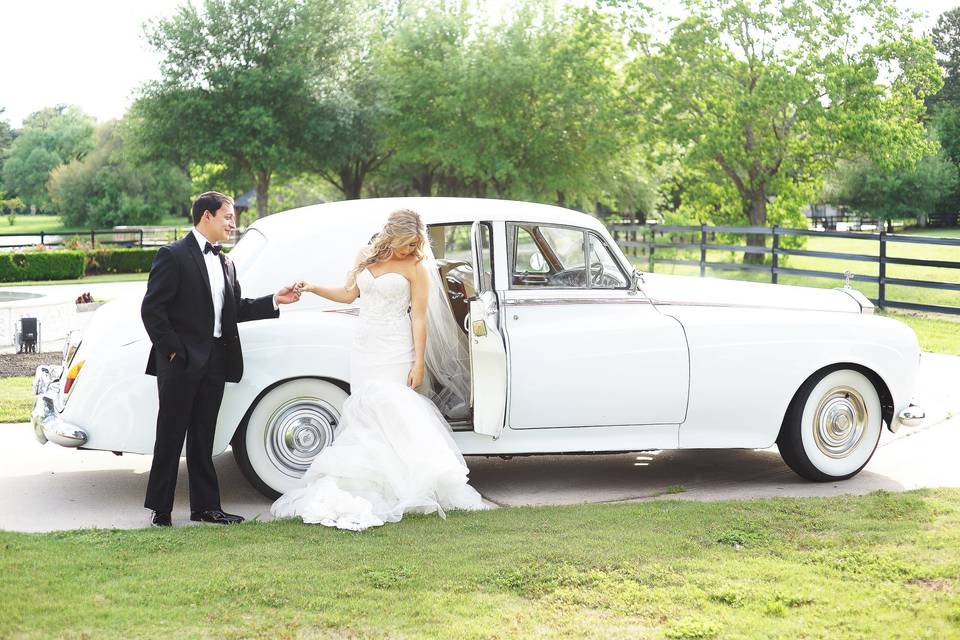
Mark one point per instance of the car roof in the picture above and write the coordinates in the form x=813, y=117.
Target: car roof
x=373, y=211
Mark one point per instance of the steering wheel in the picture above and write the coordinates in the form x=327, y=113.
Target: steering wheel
x=596, y=272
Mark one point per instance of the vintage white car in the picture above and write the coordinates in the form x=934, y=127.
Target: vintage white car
x=570, y=350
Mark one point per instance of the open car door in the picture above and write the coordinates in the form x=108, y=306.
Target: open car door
x=488, y=356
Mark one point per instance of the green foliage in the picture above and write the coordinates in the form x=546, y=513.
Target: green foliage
x=529, y=107
x=108, y=187
x=41, y=265
x=912, y=192
x=757, y=100
x=48, y=139
x=238, y=85
x=946, y=39
x=119, y=260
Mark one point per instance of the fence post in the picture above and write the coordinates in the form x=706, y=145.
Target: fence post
x=653, y=239
x=41, y=238
x=141, y=238
x=773, y=262
x=882, y=275
x=703, y=250
x=93, y=238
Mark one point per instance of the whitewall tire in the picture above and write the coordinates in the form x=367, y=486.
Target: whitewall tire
x=832, y=426
x=287, y=428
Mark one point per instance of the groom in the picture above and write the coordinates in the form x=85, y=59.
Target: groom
x=191, y=310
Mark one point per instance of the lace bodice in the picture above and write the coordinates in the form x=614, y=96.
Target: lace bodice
x=384, y=298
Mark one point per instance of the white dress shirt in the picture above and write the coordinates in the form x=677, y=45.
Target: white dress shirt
x=215, y=271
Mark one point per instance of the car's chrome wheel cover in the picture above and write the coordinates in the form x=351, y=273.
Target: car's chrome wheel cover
x=297, y=431
x=840, y=422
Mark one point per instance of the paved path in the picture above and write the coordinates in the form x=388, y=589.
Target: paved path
x=52, y=488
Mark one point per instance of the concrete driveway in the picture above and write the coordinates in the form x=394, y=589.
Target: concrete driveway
x=46, y=488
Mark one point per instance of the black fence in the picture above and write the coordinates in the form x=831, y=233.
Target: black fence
x=640, y=242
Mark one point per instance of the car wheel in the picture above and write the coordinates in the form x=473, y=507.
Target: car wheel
x=287, y=428
x=832, y=426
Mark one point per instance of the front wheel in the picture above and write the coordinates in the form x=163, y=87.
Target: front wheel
x=287, y=428
x=832, y=426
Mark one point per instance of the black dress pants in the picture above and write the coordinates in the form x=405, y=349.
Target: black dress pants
x=189, y=405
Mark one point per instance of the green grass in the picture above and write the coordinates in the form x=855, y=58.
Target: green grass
x=53, y=224
x=877, y=566
x=104, y=277
x=16, y=399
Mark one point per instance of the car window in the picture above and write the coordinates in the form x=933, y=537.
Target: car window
x=605, y=271
x=451, y=247
x=544, y=256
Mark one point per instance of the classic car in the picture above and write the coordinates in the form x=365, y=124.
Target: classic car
x=570, y=349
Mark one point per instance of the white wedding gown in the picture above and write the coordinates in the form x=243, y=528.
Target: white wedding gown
x=393, y=453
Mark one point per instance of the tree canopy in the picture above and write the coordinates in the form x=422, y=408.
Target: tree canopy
x=759, y=99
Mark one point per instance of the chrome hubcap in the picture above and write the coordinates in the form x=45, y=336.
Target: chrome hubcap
x=298, y=431
x=839, y=422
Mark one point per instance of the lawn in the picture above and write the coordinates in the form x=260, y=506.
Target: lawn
x=877, y=566
x=16, y=399
x=53, y=224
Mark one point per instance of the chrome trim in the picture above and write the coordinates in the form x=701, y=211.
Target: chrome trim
x=912, y=416
x=728, y=305
x=297, y=432
x=839, y=422
x=557, y=301
x=47, y=425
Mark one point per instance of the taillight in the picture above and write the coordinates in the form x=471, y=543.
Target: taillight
x=72, y=375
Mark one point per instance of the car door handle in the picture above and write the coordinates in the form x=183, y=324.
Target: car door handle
x=480, y=328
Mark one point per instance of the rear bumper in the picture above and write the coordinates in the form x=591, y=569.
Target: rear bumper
x=47, y=425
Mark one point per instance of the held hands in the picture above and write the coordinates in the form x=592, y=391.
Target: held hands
x=288, y=295
x=415, y=377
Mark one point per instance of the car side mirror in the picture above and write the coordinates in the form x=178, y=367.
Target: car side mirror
x=636, y=279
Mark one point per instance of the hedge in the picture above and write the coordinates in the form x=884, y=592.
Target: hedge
x=120, y=260
x=42, y=265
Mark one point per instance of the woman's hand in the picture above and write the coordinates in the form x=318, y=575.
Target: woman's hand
x=415, y=377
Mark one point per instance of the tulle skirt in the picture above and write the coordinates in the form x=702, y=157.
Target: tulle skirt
x=393, y=453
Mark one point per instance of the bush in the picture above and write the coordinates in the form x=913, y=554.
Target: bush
x=41, y=265
x=120, y=260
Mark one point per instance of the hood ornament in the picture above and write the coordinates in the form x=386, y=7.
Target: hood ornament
x=847, y=277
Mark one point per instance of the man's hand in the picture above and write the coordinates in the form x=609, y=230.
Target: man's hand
x=287, y=295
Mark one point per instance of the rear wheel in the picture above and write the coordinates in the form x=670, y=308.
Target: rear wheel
x=287, y=428
x=832, y=426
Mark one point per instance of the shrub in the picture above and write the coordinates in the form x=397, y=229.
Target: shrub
x=41, y=265
x=120, y=260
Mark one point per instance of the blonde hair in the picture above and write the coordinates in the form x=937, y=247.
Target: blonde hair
x=401, y=226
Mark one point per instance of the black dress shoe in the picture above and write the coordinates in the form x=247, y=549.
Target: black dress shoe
x=160, y=519
x=215, y=516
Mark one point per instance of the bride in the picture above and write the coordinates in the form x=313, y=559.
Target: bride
x=393, y=453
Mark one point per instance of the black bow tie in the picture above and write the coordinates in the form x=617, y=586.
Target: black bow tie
x=207, y=248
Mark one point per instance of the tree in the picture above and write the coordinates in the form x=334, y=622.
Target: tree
x=898, y=194
x=946, y=39
x=758, y=99
x=239, y=85
x=528, y=108
x=106, y=188
x=6, y=136
x=48, y=138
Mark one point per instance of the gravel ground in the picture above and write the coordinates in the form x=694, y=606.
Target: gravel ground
x=24, y=364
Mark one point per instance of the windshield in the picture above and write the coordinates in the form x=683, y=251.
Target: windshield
x=245, y=252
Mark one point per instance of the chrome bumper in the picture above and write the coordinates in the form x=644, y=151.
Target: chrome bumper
x=47, y=424
x=912, y=416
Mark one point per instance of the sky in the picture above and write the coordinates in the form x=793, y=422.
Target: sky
x=92, y=53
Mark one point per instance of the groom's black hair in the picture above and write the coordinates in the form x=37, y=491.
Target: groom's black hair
x=210, y=201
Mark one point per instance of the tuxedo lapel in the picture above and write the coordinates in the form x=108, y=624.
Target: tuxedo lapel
x=194, y=249
x=229, y=306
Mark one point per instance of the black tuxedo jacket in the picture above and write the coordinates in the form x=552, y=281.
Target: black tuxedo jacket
x=177, y=309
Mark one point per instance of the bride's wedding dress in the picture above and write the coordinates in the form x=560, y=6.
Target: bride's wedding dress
x=393, y=453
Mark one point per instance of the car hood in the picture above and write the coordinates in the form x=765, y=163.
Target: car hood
x=693, y=291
